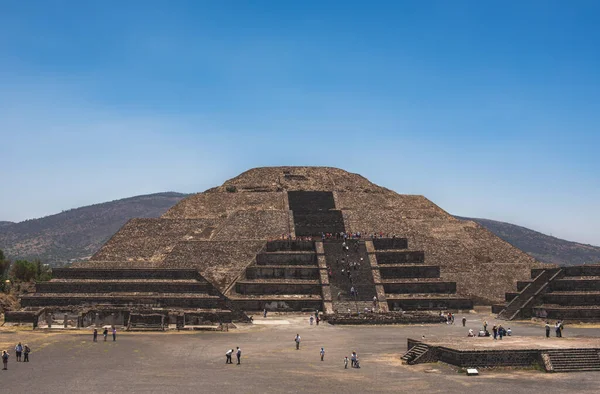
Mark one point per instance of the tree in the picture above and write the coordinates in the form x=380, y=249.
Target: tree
x=23, y=270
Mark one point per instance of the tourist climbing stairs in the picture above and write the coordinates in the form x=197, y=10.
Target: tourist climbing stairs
x=415, y=354
x=339, y=261
x=573, y=360
x=528, y=296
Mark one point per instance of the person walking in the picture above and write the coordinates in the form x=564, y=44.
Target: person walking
x=238, y=354
x=322, y=353
x=26, y=351
x=346, y=362
x=464, y=321
x=310, y=319
x=547, y=329
x=265, y=313
x=105, y=333
x=95, y=335
x=557, y=328
x=495, y=331
x=228, y=356
x=114, y=333
x=297, y=340
x=353, y=359
x=5, y=356
x=18, y=351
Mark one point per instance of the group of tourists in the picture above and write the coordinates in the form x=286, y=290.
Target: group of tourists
x=21, y=353
x=113, y=329
x=316, y=318
x=558, y=329
x=238, y=354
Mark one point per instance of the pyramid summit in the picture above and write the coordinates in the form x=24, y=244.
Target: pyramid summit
x=221, y=231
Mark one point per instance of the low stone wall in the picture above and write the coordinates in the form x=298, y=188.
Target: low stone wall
x=294, y=246
x=412, y=304
x=266, y=272
x=23, y=317
x=571, y=314
x=416, y=271
x=384, y=318
x=279, y=305
x=420, y=287
x=406, y=257
x=483, y=358
x=390, y=243
x=282, y=258
x=277, y=288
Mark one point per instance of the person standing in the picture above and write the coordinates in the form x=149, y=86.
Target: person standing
x=311, y=320
x=353, y=359
x=557, y=328
x=346, y=362
x=18, y=351
x=5, y=356
x=238, y=354
x=297, y=340
x=26, y=351
x=485, y=325
x=547, y=330
x=322, y=353
x=105, y=333
x=464, y=321
x=495, y=331
x=95, y=335
x=114, y=333
x=265, y=313
x=228, y=356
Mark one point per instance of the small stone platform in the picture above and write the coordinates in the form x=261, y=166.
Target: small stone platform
x=552, y=354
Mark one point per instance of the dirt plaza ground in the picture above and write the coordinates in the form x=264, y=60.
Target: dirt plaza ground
x=171, y=362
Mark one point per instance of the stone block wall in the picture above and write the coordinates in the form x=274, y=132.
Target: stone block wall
x=279, y=305
x=406, y=257
x=121, y=287
x=258, y=272
x=390, y=243
x=283, y=258
x=144, y=273
x=411, y=304
x=567, y=284
x=420, y=287
x=292, y=246
x=277, y=288
x=416, y=271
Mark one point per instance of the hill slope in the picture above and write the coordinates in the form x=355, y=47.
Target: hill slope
x=78, y=233
x=541, y=246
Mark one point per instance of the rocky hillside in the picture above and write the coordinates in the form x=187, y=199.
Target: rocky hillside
x=78, y=233
x=543, y=247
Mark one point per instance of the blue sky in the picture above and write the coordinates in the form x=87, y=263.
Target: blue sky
x=490, y=109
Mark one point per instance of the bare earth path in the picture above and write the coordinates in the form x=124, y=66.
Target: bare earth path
x=195, y=361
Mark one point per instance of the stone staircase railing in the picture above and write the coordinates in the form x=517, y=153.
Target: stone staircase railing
x=529, y=294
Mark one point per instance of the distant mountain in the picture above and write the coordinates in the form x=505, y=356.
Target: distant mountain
x=78, y=233
x=543, y=247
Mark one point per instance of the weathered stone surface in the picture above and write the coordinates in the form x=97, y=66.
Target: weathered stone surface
x=255, y=206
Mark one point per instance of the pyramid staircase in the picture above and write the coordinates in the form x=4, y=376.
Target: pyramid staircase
x=285, y=276
x=133, y=289
x=573, y=360
x=409, y=283
x=416, y=354
x=571, y=293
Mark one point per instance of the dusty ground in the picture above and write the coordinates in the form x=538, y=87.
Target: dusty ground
x=195, y=361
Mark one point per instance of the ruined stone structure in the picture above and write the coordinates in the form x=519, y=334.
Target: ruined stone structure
x=421, y=257
x=564, y=293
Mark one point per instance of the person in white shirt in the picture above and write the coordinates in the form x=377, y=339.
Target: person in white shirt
x=228, y=356
x=322, y=353
x=297, y=340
